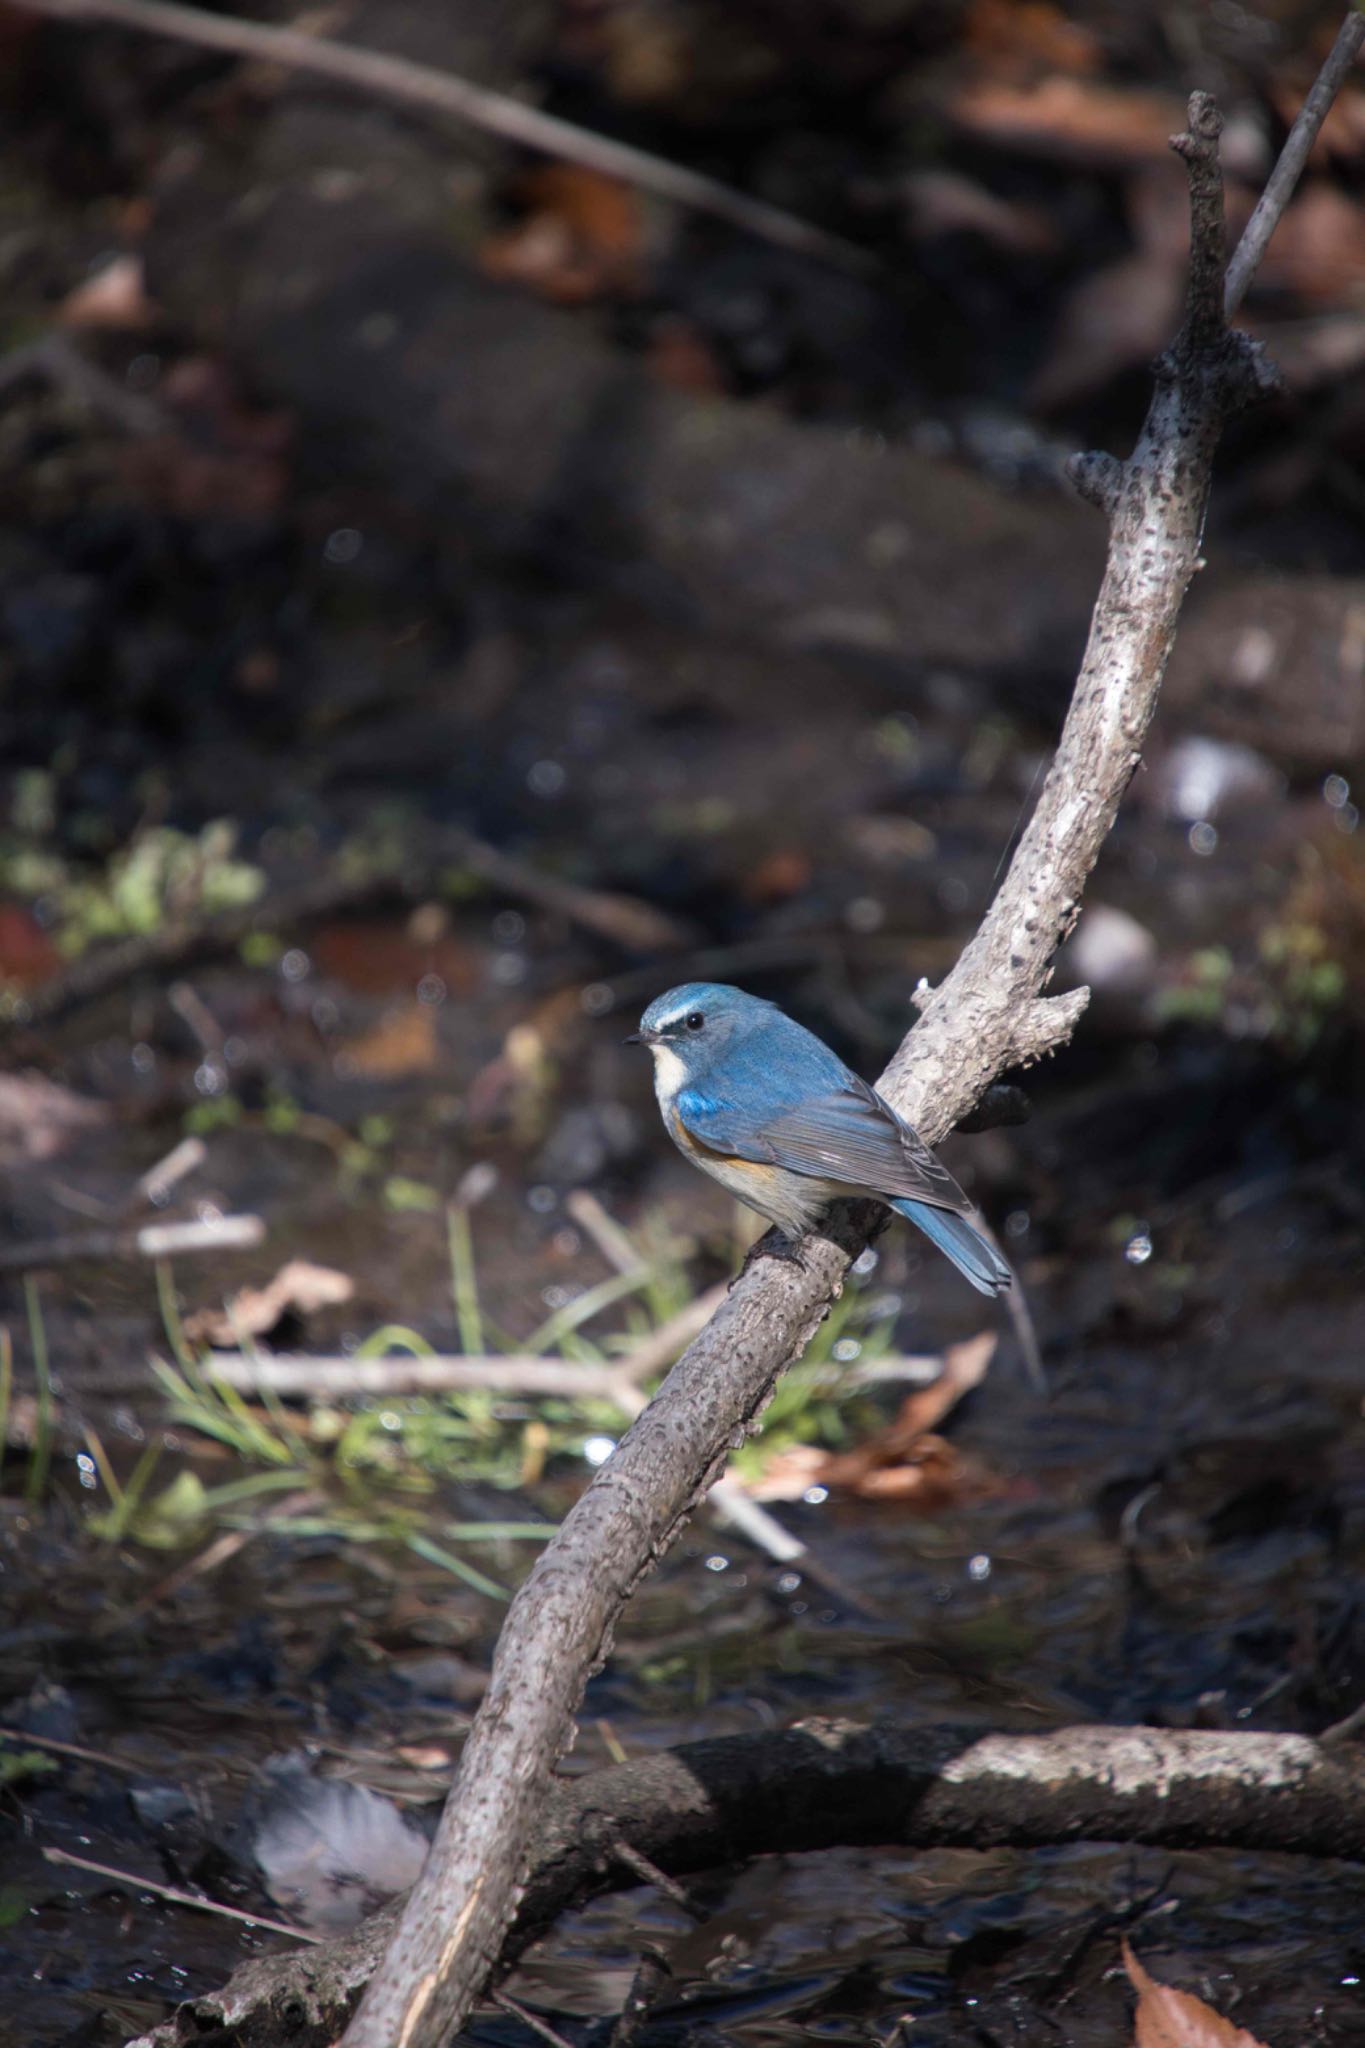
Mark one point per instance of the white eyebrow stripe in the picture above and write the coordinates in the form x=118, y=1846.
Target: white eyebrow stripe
x=675, y=1016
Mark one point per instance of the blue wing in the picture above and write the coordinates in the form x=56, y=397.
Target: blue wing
x=847, y=1135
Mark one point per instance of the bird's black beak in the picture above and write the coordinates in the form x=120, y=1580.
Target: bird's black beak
x=632, y=1038
x=641, y=1038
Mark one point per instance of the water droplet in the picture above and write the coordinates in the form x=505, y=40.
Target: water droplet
x=597, y=1449
x=143, y=1059
x=546, y=778
x=343, y=546
x=847, y=1349
x=295, y=964
x=979, y=1567
x=788, y=1582
x=1203, y=838
x=210, y=1077
x=509, y=928
x=1336, y=791
x=596, y=999
x=864, y=914
x=1017, y=1223
x=431, y=989
x=541, y=1200
x=866, y=1262
x=815, y=1495
x=1138, y=1249
x=85, y=1465
x=717, y=1563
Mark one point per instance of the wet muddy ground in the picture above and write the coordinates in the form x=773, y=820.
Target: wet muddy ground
x=355, y=639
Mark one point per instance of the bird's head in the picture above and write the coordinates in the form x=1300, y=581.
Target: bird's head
x=694, y=1023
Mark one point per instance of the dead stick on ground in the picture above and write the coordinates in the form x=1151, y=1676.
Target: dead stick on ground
x=405, y=83
x=827, y=1784
x=989, y=1015
x=152, y=1241
x=177, y=1895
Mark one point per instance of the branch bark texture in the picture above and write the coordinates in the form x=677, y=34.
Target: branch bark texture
x=830, y=1784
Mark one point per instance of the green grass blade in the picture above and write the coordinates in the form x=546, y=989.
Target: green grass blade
x=435, y=1554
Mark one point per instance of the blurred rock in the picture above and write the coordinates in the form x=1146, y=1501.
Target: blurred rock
x=1200, y=777
x=1110, y=953
x=1277, y=663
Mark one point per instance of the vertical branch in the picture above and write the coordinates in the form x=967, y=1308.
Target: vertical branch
x=1199, y=148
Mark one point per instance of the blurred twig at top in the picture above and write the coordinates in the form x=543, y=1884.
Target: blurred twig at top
x=419, y=85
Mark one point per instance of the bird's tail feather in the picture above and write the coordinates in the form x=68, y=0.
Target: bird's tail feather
x=962, y=1242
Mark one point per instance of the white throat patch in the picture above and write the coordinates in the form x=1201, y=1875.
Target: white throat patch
x=669, y=1073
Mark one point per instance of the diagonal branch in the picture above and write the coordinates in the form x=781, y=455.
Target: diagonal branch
x=1295, y=154
x=406, y=83
x=988, y=1015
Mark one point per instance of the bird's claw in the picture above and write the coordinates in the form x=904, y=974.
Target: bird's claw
x=774, y=1244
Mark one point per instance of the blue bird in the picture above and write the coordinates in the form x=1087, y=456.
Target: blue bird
x=764, y=1107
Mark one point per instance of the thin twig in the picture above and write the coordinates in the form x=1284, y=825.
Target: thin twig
x=653, y=1975
x=151, y=1241
x=178, y=1897
x=102, y=1757
x=661, y=1346
x=153, y=1188
x=55, y=359
x=616, y=1245
x=442, y=92
x=1292, y=158
x=532, y=1377
x=521, y=2012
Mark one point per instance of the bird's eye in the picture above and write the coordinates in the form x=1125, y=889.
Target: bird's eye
x=694, y=1020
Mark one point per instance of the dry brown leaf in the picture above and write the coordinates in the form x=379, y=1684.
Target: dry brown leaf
x=1318, y=251
x=403, y=1042
x=1167, y=2018
x=581, y=239
x=942, y=202
x=965, y=1365
x=38, y=1117
x=680, y=356
x=1026, y=38
x=933, y=1477
x=115, y=297
x=901, y=1462
x=27, y=954
x=299, y=1288
x=783, y=873
x=1072, y=120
